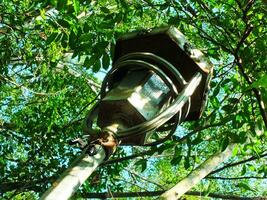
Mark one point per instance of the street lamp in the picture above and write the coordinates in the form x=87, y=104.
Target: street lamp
x=157, y=81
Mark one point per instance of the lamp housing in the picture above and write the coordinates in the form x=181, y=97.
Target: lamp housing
x=150, y=68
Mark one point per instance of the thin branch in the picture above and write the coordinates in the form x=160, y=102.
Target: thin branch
x=247, y=8
x=242, y=40
x=121, y=194
x=256, y=91
x=248, y=45
x=238, y=61
x=204, y=34
x=157, y=193
x=211, y=17
x=225, y=72
x=116, y=160
x=238, y=163
x=236, y=178
x=128, y=182
x=209, y=38
x=29, y=185
x=244, y=37
x=75, y=120
x=25, y=88
x=200, y=129
x=145, y=179
x=92, y=83
x=222, y=68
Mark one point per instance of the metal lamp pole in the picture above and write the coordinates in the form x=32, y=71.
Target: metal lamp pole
x=75, y=175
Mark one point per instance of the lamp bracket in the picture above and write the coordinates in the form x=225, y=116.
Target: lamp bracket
x=105, y=138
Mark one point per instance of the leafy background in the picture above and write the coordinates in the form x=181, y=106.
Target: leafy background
x=52, y=57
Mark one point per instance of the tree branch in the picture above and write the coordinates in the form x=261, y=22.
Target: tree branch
x=247, y=32
x=236, y=178
x=197, y=174
x=256, y=91
x=238, y=163
x=144, y=179
x=238, y=61
x=93, y=84
x=157, y=193
x=25, y=88
x=115, y=160
x=27, y=185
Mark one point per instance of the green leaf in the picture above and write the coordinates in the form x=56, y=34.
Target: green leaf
x=177, y=151
x=97, y=66
x=164, y=147
x=105, y=61
x=76, y=5
x=244, y=170
x=142, y=163
x=262, y=82
x=101, y=46
x=233, y=100
x=242, y=137
x=225, y=143
x=72, y=39
x=176, y=160
x=225, y=81
x=59, y=37
x=64, y=40
x=86, y=28
x=152, y=151
x=245, y=186
x=61, y=4
x=51, y=38
x=104, y=9
x=89, y=62
x=235, y=150
x=63, y=23
x=227, y=108
x=43, y=97
x=186, y=163
x=173, y=20
x=198, y=139
x=216, y=91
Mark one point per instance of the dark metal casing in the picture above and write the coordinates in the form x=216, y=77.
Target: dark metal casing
x=171, y=45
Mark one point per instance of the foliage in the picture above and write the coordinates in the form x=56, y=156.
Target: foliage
x=50, y=54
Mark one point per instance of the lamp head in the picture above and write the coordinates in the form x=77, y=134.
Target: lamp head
x=151, y=69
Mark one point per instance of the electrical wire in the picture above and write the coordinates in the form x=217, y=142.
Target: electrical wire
x=181, y=93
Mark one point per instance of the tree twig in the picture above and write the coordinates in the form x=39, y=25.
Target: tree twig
x=145, y=179
x=256, y=91
x=238, y=163
x=236, y=178
x=25, y=88
x=157, y=193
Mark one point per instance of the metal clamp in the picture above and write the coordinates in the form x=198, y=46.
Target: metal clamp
x=105, y=138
